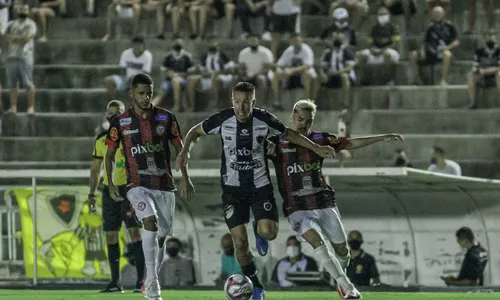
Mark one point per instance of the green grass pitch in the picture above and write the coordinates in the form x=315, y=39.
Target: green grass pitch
x=215, y=295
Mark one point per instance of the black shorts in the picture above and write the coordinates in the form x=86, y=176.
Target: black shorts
x=284, y=23
x=335, y=82
x=114, y=213
x=295, y=82
x=237, y=205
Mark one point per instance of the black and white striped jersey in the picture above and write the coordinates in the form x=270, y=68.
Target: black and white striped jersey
x=243, y=158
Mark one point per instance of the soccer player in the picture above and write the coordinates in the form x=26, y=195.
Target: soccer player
x=308, y=202
x=114, y=213
x=145, y=131
x=244, y=172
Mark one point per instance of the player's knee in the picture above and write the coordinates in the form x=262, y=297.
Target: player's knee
x=268, y=232
x=135, y=234
x=111, y=237
x=150, y=224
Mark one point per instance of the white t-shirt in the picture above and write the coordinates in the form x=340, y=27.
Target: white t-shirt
x=22, y=28
x=135, y=65
x=285, y=7
x=451, y=168
x=290, y=59
x=255, y=61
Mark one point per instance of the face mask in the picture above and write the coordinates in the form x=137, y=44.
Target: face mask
x=23, y=16
x=172, y=251
x=400, y=162
x=384, y=19
x=355, y=245
x=490, y=44
x=254, y=48
x=177, y=47
x=212, y=49
x=292, y=251
x=229, y=252
x=337, y=43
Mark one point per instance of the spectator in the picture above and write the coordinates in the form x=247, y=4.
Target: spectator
x=177, y=66
x=337, y=68
x=255, y=62
x=5, y=5
x=176, y=271
x=224, y=8
x=133, y=61
x=229, y=264
x=340, y=25
x=357, y=9
x=363, y=266
x=198, y=13
x=489, y=11
x=401, y=159
x=486, y=68
x=475, y=260
x=384, y=38
x=442, y=165
x=19, y=35
x=246, y=9
x=161, y=10
x=296, y=67
x=46, y=10
x=402, y=7
x=445, y=4
x=295, y=261
x=285, y=19
x=440, y=38
x=216, y=69
x=123, y=9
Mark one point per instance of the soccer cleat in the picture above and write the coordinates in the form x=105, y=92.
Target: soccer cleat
x=139, y=287
x=151, y=290
x=113, y=287
x=258, y=294
x=349, y=293
x=261, y=243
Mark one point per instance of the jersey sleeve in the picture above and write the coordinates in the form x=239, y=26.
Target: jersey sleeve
x=471, y=268
x=113, y=137
x=174, y=132
x=272, y=121
x=338, y=143
x=211, y=125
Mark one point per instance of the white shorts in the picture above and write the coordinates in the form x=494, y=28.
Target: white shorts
x=206, y=83
x=325, y=221
x=376, y=60
x=148, y=202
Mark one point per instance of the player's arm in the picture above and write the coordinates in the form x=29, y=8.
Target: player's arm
x=360, y=142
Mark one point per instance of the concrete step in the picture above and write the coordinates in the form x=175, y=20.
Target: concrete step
x=445, y=121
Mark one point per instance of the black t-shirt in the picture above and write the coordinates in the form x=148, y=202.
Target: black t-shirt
x=439, y=34
x=178, y=63
x=214, y=61
x=362, y=269
x=382, y=36
x=336, y=60
x=348, y=32
x=474, y=264
x=487, y=58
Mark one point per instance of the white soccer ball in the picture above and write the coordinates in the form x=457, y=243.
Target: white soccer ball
x=238, y=287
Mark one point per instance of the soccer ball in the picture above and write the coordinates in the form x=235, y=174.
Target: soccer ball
x=238, y=287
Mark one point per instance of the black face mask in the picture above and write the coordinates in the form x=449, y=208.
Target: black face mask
x=400, y=162
x=23, y=16
x=212, y=49
x=172, y=251
x=337, y=43
x=229, y=252
x=177, y=47
x=355, y=244
x=490, y=44
x=254, y=48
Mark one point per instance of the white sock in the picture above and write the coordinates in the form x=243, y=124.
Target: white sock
x=150, y=249
x=159, y=261
x=330, y=263
x=343, y=260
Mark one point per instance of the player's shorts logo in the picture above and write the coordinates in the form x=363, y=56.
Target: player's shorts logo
x=268, y=206
x=141, y=206
x=160, y=129
x=228, y=211
x=297, y=227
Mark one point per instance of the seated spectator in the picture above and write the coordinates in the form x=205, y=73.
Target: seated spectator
x=337, y=68
x=440, y=38
x=161, y=11
x=176, y=271
x=246, y=9
x=198, y=14
x=224, y=9
x=123, y=9
x=46, y=10
x=384, y=38
x=474, y=263
x=255, y=67
x=445, y=4
x=295, y=261
x=178, y=66
x=340, y=25
x=357, y=9
x=216, y=71
x=486, y=68
x=401, y=159
x=229, y=264
x=295, y=68
x=442, y=165
x=363, y=267
x=285, y=16
x=489, y=11
x=133, y=61
x=407, y=8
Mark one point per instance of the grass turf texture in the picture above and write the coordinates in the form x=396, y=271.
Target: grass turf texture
x=215, y=295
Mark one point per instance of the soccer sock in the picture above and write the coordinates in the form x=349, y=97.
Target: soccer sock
x=251, y=272
x=150, y=248
x=343, y=260
x=114, y=261
x=139, y=259
x=330, y=263
x=161, y=255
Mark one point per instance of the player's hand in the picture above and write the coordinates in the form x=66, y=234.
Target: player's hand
x=393, y=137
x=271, y=148
x=115, y=193
x=187, y=189
x=181, y=160
x=325, y=151
x=91, y=203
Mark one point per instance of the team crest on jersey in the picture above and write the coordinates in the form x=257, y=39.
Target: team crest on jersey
x=244, y=132
x=160, y=129
x=175, y=129
x=141, y=206
x=268, y=206
x=113, y=134
x=64, y=206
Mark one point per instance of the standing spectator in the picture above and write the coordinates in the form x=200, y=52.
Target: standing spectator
x=176, y=270
x=216, y=69
x=48, y=9
x=357, y=9
x=246, y=9
x=440, y=38
x=229, y=264
x=340, y=25
x=337, y=68
x=442, y=165
x=489, y=11
x=19, y=63
x=401, y=159
x=363, y=267
x=123, y=9
x=134, y=60
x=384, y=38
x=285, y=19
x=486, y=68
x=296, y=67
x=402, y=7
x=295, y=261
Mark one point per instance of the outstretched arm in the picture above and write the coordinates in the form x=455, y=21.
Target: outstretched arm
x=360, y=142
x=298, y=139
x=191, y=138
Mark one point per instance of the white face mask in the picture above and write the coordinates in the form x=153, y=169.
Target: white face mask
x=384, y=19
x=292, y=251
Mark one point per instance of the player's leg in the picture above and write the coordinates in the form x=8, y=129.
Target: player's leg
x=162, y=236
x=266, y=217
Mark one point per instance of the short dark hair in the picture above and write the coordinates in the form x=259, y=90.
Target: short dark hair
x=465, y=233
x=357, y=233
x=138, y=40
x=175, y=240
x=141, y=78
x=244, y=87
x=439, y=150
x=293, y=238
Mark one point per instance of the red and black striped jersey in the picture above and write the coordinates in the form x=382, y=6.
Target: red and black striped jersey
x=145, y=146
x=298, y=171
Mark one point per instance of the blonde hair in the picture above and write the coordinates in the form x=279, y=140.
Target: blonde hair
x=305, y=104
x=116, y=103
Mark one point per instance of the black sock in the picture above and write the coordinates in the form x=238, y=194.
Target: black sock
x=114, y=261
x=139, y=259
x=251, y=272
